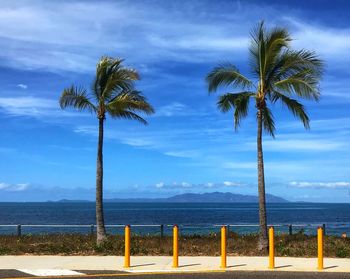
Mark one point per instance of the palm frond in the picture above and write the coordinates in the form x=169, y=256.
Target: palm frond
x=277, y=40
x=281, y=73
x=297, y=72
x=226, y=74
x=294, y=106
x=112, y=77
x=127, y=115
x=76, y=97
x=268, y=121
x=300, y=60
x=120, y=80
x=127, y=103
x=239, y=102
x=101, y=76
x=257, y=49
x=302, y=84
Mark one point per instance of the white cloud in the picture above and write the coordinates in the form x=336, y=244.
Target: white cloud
x=22, y=86
x=231, y=184
x=161, y=141
x=281, y=168
x=58, y=35
x=33, y=107
x=45, y=23
x=173, y=109
x=202, y=43
x=183, y=153
x=240, y=165
x=174, y=185
x=13, y=187
x=330, y=185
x=71, y=148
x=305, y=142
x=66, y=35
x=160, y=185
x=27, y=106
x=138, y=142
x=320, y=125
x=185, y=185
x=301, y=145
x=326, y=41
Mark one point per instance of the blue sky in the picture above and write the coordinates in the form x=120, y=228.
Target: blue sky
x=188, y=146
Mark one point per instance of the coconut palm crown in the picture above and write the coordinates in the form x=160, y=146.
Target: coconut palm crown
x=112, y=94
x=279, y=74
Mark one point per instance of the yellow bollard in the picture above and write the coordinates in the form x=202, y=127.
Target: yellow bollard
x=320, y=248
x=175, y=246
x=127, y=247
x=271, y=248
x=223, y=247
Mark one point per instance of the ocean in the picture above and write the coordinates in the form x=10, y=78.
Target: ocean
x=199, y=218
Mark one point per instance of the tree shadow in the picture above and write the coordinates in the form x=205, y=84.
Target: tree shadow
x=236, y=265
x=138, y=265
x=329, y=267
x=283, y=266
x=185, y=265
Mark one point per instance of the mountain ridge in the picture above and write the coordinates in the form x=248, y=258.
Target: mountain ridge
x=226, y=197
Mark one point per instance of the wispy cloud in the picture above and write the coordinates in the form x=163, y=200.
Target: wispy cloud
x=202, y=43
x=161, y=141
x=13, y=187
x=182, y=142
x=183, y=153
x=240, y=165
x=180, y=42
x=22, y=86
x=331, y=185
x=33, y=107
x=192, y=33
x=71, y=148
x=30, y=40
x=160, y=185
x=27, y=106
x=29, y=32
x=231, y=184
x=327, y=41
x=291, y=137
x=302, y=145
x=338, y=124
x=211, y=185
x=173, y=109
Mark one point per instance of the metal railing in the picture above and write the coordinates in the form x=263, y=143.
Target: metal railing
x=161, y=228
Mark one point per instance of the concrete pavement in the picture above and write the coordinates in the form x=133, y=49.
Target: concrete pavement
x=11, y=274
x=31, y=264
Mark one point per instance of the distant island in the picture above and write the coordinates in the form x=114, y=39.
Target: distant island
x=215, y=197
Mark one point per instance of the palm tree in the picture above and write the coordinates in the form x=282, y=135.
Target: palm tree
x=112, y=93
x=279, y=74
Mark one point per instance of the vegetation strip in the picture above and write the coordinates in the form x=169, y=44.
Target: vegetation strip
x=297, y=245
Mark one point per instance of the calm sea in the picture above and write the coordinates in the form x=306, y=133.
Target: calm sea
x=193, y=218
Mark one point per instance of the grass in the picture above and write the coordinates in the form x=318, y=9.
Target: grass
x=298, y=245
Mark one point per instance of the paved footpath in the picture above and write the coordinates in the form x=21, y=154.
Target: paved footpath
x=189, y=267
x=13, y=274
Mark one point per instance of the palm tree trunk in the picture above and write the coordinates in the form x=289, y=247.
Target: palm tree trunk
x=263, y=241
x=101, y=231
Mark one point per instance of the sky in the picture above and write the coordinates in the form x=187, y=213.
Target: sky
x=188, y=146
